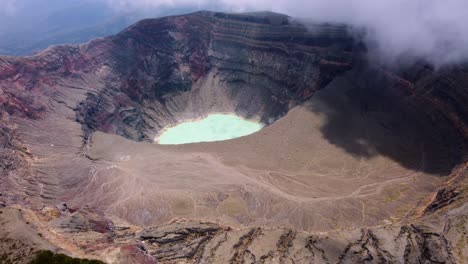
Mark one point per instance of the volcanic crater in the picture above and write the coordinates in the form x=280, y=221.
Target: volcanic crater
x=352, y=148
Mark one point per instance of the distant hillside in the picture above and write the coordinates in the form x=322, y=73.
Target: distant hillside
x=28, y=31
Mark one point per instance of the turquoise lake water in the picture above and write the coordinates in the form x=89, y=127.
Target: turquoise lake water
x=214, y=127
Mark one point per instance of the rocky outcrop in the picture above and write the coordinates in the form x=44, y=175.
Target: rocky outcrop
x=406, y=244
x=428, y=241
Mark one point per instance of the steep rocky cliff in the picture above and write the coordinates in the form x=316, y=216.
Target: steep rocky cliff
x=360, y=162
x=155, y=61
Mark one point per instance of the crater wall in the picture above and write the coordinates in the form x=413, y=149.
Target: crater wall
x=352, y=145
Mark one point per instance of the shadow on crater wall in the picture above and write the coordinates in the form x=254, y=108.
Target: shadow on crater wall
x=368, y=114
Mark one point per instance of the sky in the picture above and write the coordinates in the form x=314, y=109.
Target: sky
x=435, y=30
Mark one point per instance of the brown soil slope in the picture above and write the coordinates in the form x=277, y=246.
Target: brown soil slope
x=359, y=163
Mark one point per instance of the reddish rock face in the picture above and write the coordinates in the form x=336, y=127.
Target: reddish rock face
x=160, y=71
